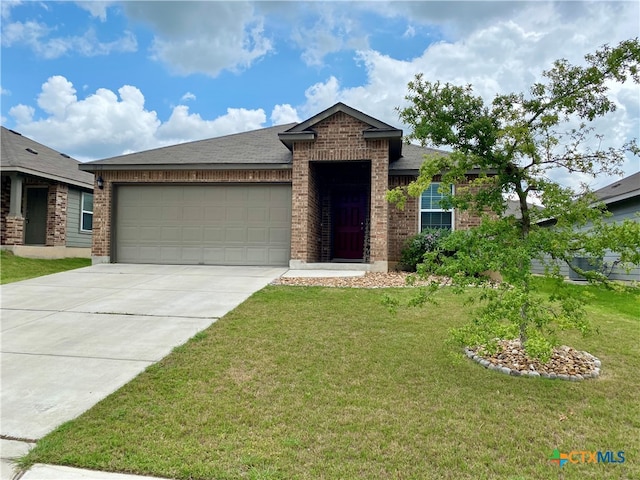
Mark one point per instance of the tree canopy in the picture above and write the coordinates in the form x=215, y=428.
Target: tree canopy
x=515, y=142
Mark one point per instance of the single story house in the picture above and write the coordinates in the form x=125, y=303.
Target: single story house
x=622, y=199
x=47, y=202
x=306, y=195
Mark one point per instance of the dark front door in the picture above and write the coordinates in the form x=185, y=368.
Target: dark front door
x=36, y=217
x=349, y=217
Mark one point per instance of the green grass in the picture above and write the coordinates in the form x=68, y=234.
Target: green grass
x=14, y=269
x=319, y=383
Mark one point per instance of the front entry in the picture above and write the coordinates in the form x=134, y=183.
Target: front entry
x=36, y=216
x=350, y=215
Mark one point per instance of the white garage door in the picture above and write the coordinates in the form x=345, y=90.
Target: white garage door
x=203, y=224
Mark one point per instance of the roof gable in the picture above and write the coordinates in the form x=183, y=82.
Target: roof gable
x=23, y=155
x=341, y=107
x=377, y=129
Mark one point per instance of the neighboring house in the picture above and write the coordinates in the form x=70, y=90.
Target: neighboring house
x=47, y=203
x=622, y=199
x=307, y=195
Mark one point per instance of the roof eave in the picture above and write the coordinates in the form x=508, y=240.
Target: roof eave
x=287, y=138
x=621, y=197
x=191, y=166
x=47, y=176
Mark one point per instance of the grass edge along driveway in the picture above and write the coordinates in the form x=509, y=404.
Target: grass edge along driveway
x=309, y=382
x=14, y=268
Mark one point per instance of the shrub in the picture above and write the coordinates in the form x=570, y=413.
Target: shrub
x=429, y=240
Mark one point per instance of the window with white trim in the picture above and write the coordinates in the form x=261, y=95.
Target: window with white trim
x=86, y=212
x=432, y=215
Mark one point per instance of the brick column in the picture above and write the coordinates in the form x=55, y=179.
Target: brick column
x=300, y=202
x=379, y=236
x=57, y=215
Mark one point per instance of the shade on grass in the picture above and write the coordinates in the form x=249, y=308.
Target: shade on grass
x=307, y=383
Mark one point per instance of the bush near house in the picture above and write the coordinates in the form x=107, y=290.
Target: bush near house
x=427, y=241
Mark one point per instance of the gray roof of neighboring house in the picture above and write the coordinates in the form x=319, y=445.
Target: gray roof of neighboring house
x=23, y=155
x=619, y=190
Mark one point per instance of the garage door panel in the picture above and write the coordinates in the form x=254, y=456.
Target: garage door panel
x=213, y=235
x=234, y=256
x=236, y=214
x=278, y=256
x=213, y=256
x=279, y=216
x=214, y=214
x=257, y=256
x=279, y=236
x=258, y=235
x=235, y=235
x=147, y=233
x=170, y=234
x=211, y=224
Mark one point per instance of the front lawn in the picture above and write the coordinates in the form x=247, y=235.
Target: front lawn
x=14, y=269
x=313, y=383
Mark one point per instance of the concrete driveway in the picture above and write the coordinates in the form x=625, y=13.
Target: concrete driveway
x=70, y=339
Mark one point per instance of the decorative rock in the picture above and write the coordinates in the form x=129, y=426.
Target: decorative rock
x=566, y=363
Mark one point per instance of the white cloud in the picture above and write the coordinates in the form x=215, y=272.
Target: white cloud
x=23, y=114
x=96, y=8
x=106, y=124
x=203, y=37
x=410, y=32
x=183, y=126
x=334, y=29
x=187, y=96
x=36, y=36
x=505, y=55
x=283, y=114
x=4, y=91
x=6, y=6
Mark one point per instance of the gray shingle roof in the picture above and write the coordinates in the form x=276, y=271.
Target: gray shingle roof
x=251, y=149
x=17, y=156
x=412, y=158
x=627, y=187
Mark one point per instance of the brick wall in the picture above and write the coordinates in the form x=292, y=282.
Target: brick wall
x=402, y=223
x=57, y=215
x=102, y=198
x=339, y=138
x=13, y=230
x=5, y=201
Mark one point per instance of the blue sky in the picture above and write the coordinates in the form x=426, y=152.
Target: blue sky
x=98, y=79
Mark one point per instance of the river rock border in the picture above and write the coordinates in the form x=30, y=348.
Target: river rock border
x=492, y=363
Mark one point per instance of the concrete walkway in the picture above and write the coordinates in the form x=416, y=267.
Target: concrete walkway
x=70, y=339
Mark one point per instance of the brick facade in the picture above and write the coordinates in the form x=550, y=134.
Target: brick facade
x=339, y=138
x=13, y=227
x=339, y=158
x=102, y=198
x=13, y=230
x=57, y=215
x=402, y=223
x=5, y=201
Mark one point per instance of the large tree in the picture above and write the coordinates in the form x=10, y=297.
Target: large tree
x=518, y=142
